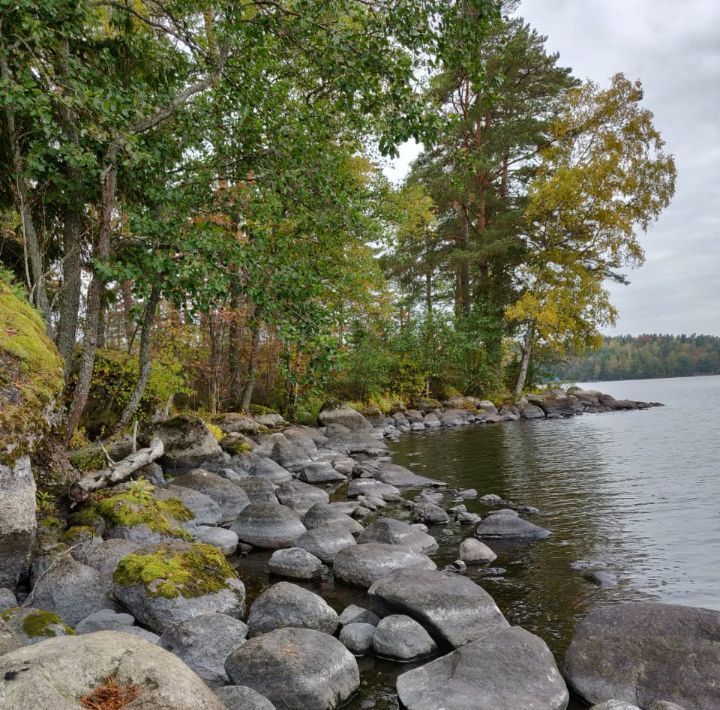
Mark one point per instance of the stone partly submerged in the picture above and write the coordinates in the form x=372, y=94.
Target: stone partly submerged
x=452, y=607
x=508, y=524
x=58, y=673
x=508, y=670
x=398, y=532
x=643, y=652
x=364, y=564
x=296, y=669
x=268, y=525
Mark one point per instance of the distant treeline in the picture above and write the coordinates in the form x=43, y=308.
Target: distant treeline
x=626, y=357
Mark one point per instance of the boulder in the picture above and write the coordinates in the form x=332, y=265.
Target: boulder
x=263, y=467
x=187, y=441
x=474, y=552
x=320, y=472
x=72, y=590
x=228, y=495
x=259, y=490
x=601, y=578
x=344, y=416
x=9, y=640
x=104, y=620
x=268, y=525
x=353, y=614
x=55, y=674
x=531, y=411
x=204, y=642
x=7, y=599
x=452, y=607
x=324, y=513
x=375, y=489
x=402, y=477
x=643, y=652
x=303, y=438
x=326, y=541
x=401, y=638
x=430, y=513
x=508, y=670
x=300, y=496
x=364, y=564
x=296, y=669
x=508, y=524
x=432, y=421
x=240, y=697
x=204, y=509
x=351, y=443
x=270, y=419
x=166, y=584
x=615, y=705
x=286, y=453
x=33, y=625
x=296, y=563
x=105, y=556
x=285, y=604
x=357, y=637
x=225, y=540
x=233, y=422
x=397, y=532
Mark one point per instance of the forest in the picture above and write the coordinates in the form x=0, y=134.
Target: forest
x=643, y=357
x=192, y=197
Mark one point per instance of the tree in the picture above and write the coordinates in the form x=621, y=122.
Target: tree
x=602, y=177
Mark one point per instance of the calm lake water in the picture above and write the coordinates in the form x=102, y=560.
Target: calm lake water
x=634, y=493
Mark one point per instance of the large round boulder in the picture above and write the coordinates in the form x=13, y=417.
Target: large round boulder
x=642, y=652
x=231, y=498
x=300, y=496
x=326, y=540
x=268, y=525
x=187, y=442
x=344, y=416
x=398, y=532
x=33, y=625
x=166, y=584
x=296, y=669
x=508, y=670
x=285, y=604
x=58, y=673
x=204, y=509
x=295, y=563
x=401, y=638
x=508, y=524
x=240, y=697
x=323, y=513
x=367, y=563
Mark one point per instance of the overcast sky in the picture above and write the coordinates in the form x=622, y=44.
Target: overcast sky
x=674, y=48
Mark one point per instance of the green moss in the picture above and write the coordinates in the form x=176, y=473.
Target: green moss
x=136, y=507
x=78, y=533
x=258, y=409
x=40, y=623
x=90, y=458
x=169, y=572
x=235, y=446
x=31, y=376
x=88, y=518
x=52, y=522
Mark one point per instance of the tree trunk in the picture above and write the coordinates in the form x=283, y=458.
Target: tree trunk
x=234, y=347
x=525, y=360
x=128, y=303
x=144, y=359
x=249, y=386
x=21, y=198
x=464, y=265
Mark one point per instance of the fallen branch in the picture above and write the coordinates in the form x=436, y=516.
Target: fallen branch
x=117, y=472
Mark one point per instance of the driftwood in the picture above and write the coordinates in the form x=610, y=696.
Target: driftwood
x=116, y=472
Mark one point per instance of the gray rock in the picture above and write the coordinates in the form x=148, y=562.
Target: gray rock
x=264, y=467
x=601, y=578
x=300, y=496
x=296, y=563
x=508, y=524
x=468, y=493
x=353, y=614
x=664, y=705
x=141, y=633
x=468, y=518
x=204, y=509
x=531, y=411
x=401, y=638
x=326, y=541
x=259, y=489
x=9, y=640
x=344, y=416
x=290, y=456
x=432, y=421
x=234, y=422
x=324, y=513
x=204, y=642
x=364, y=564
x=492, y=499
x=72, y=590
x=357, y=442
x=320, y=472
x=296, y=669
x=377, y=489
x=474, y=552
x=7, y=599
x=104, y=620
x=302, y=438
x=397, y=532
x=33, y=625
x=226, y=540
x=357, y=637
x=105, y=556
x=270, y=419
x=268, y=525
x=228, y=495
x=240, y=697
x=187, y=441
x=159, y=607
x=508, y=670
x=453, y=608
x=285, y=604
x=614, y=704
x=52, y=675
x=402, y=477
x=643, y=652
x=430, y=513
x=17, y=522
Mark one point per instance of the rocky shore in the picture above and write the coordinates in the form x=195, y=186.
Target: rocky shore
x=145, y=593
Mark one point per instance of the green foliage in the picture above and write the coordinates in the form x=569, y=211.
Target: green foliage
x=168, y=572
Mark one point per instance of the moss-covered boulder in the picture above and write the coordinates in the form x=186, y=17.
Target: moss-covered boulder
x=33, y=625
x=163, y=585
x=31, y=378
x=187, y=442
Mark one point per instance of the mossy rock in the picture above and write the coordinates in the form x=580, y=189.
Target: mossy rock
x=258, y=409
x=88, y=518
x=171, y=571
x=78, y=534
x=236, y=444
x=136, y=506
x=31, y=377
x=34, y=625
